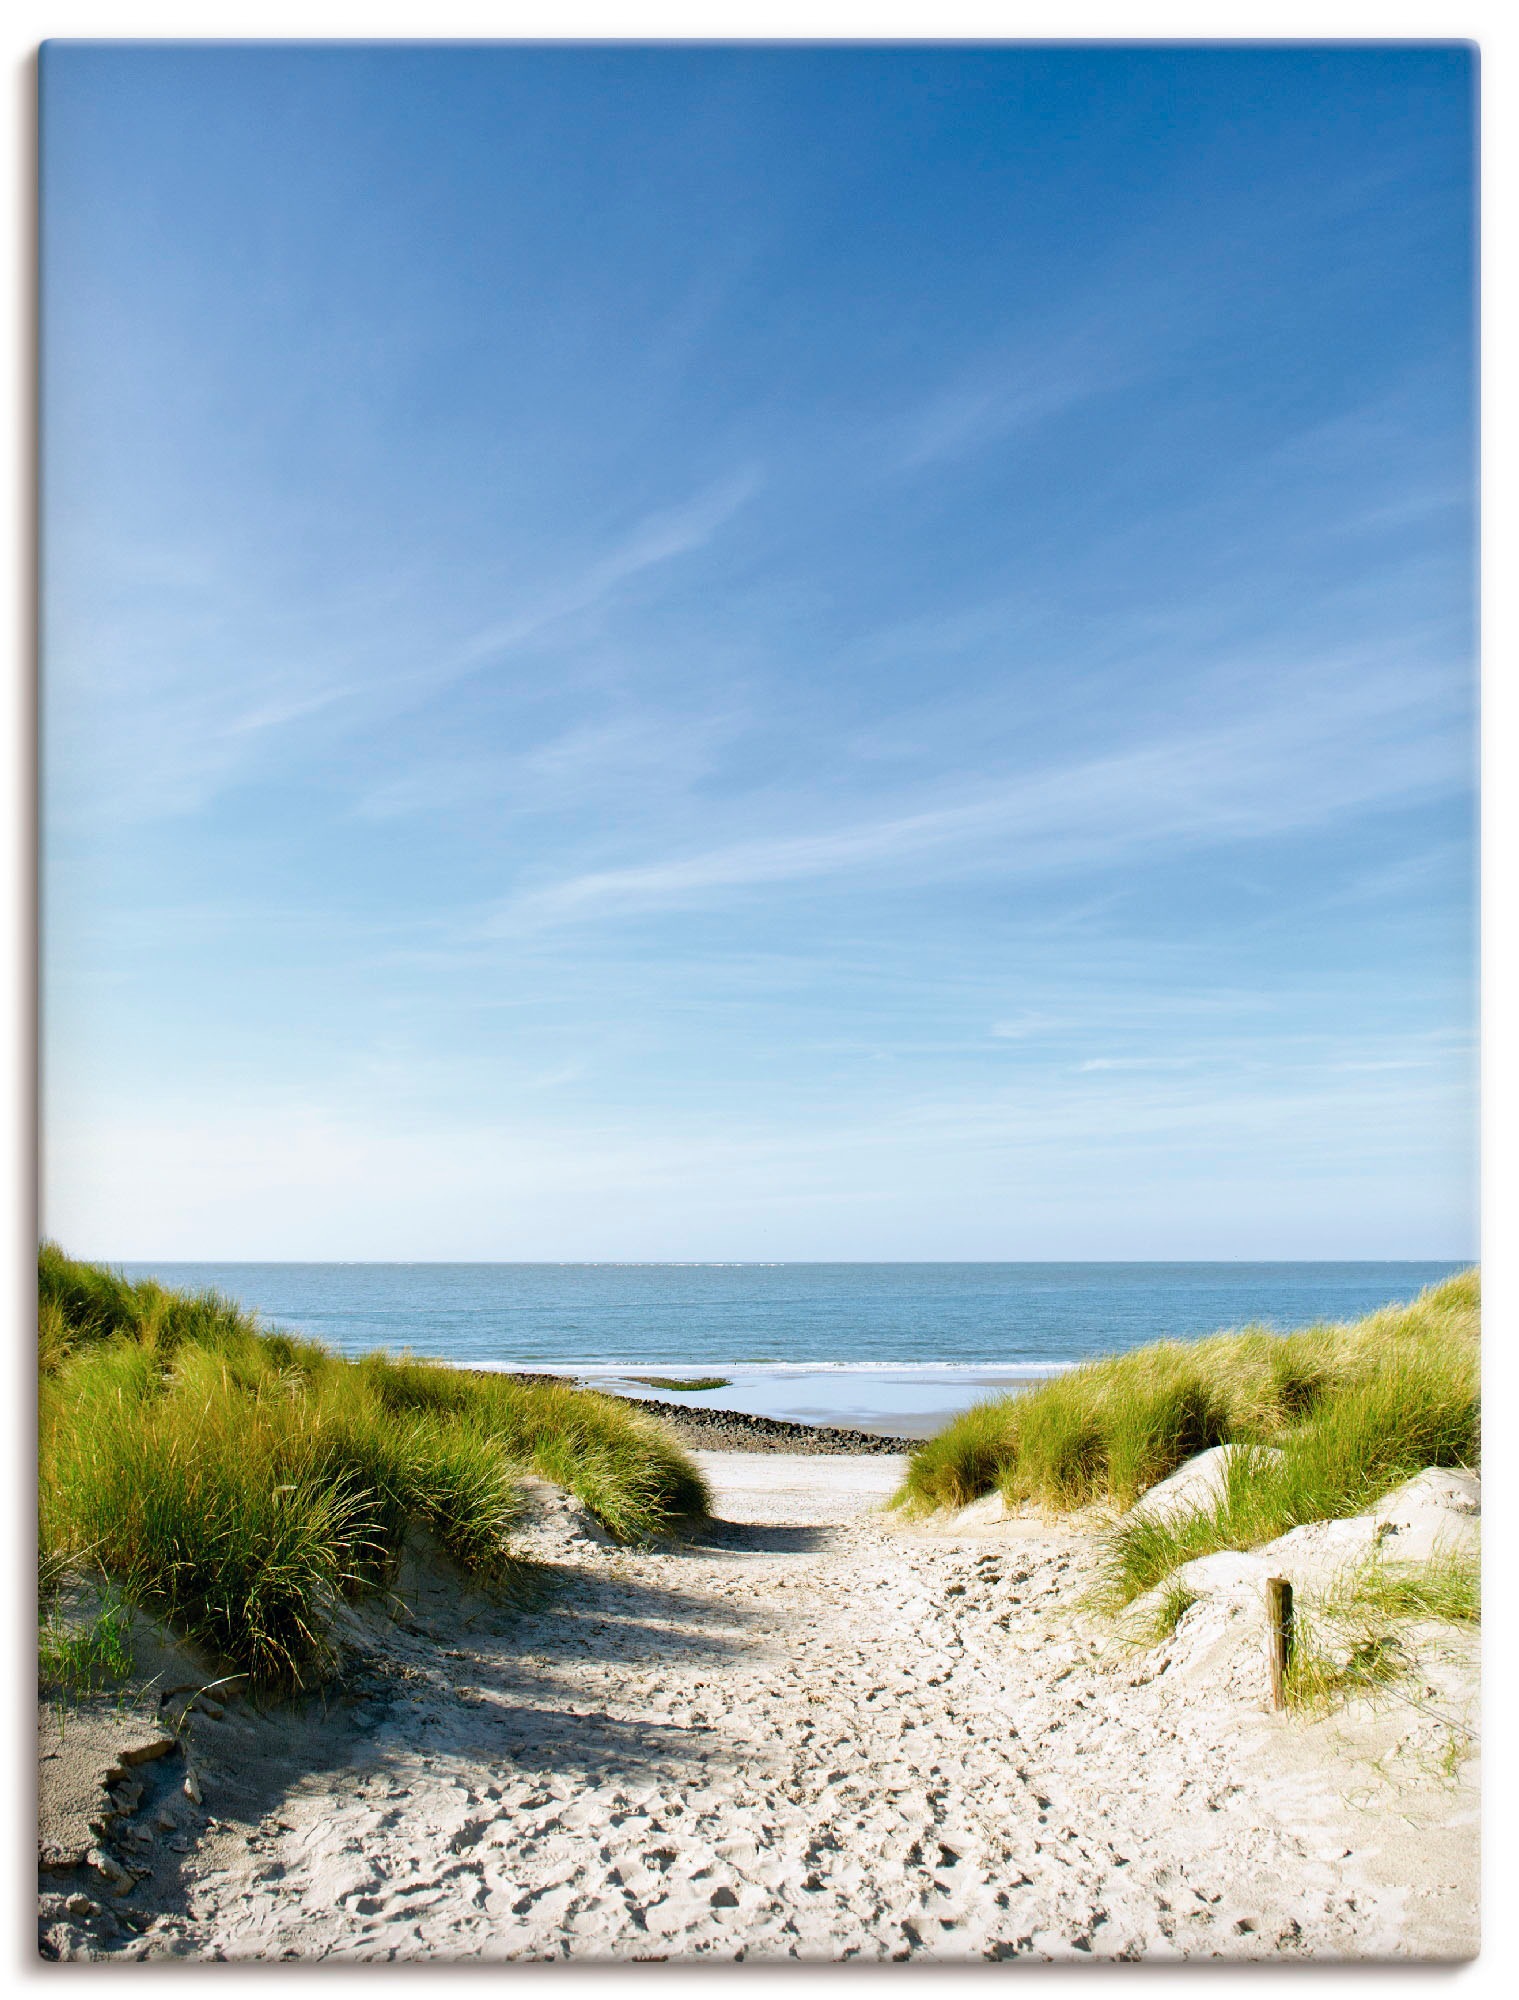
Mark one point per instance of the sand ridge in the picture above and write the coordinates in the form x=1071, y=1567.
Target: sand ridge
x=810, y=1735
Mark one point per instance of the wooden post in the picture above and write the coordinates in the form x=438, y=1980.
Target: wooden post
x=1278, y=1635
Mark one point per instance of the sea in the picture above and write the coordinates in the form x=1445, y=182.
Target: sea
x=887, y=1347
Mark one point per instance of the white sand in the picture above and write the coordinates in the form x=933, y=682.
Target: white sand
x=819, y=1736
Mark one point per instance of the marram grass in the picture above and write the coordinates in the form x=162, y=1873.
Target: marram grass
x=1329, y=1419
x=81, y=1659
x=1364, y=1436
x=1361, y=1632
x=241, y=1481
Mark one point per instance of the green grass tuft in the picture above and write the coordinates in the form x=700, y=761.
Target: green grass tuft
x=1174, y=1604
x=1355, y=1445
x=1321, y=1674
x=96, y=1655
x=683, y=1382
x=1447, y=1587
x=1352, y=1410
x=240, y=1482
x=1354, y=1637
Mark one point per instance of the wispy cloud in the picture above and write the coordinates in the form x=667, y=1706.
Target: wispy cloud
x=1137, y=1062
x=1392, y=1062
x=1053, y=360
x=658, y=538
x=276, y=713
x=626, y=755
x=1022, y=1027
x=162, y=735
x=1327, y=752
x=992, y=402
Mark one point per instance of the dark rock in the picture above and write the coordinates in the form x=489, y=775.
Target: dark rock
x=734, y=1430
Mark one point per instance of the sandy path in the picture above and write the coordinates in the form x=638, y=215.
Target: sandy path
x=814, y=1736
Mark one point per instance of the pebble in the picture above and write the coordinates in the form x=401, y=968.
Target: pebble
x=735, y=1430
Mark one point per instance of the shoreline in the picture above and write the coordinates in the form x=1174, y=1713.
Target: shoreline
x=711, y=1427
x=850, y=1404
x=734, y=1430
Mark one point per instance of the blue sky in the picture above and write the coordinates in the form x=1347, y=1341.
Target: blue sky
x=756, y=652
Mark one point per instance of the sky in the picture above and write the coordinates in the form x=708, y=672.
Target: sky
x=757, y=652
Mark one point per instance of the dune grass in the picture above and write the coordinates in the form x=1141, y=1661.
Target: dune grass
x=1172, y=1606
x=74, y=1660
x=1348, y=1451
x=1326, y=1420
x=1357, y=1636
x=241, y=1481
x=1447, y=1587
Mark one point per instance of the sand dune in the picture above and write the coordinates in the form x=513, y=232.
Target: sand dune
x=815, y=1735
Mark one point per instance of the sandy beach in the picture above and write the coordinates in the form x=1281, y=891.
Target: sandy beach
x=815, y=1734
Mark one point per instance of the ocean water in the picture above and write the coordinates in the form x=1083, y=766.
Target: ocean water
x=898, y=1346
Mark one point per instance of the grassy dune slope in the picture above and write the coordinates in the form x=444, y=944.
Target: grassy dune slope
x=240, y=1481
x=1329, y=1418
